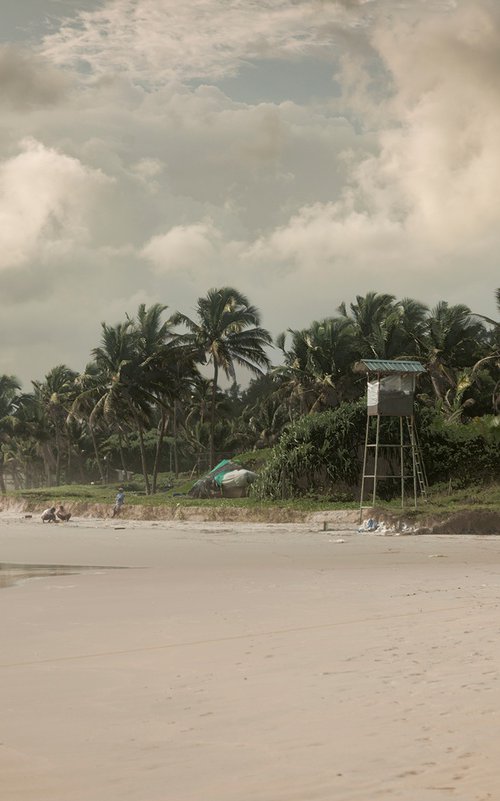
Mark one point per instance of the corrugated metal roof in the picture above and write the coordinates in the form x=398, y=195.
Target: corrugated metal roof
x=391, y=366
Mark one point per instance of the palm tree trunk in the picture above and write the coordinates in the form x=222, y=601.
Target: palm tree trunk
x=69, y=464
x=122, y=454
x=437, y=383
x=48, y=462
x=81, y=471
x=212, y=416
x=58, y=457
x=16, y=478
x=174, y=432
x=96, y=451
x=3, y=488
x=162, y=427
x=28, y=474
x=143, y=454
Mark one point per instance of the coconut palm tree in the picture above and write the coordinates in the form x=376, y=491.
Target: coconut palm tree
x=56, y=394
x=226, y=333
x=374, y=317
x=9, y=392
x=168, y=372
x=89, y=387
x=264, y=421
x=386, y=328
x=123, y=403
x=155, y=363
x=408, y=335
x=30, y=441
x=316, y=372
x=455, y=340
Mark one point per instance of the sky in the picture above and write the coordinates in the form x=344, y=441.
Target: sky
x=302, y=151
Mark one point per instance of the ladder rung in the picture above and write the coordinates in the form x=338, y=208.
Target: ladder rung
x=381, y=447
x=398, y=475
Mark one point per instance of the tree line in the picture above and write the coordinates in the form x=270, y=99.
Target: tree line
x=150, y=400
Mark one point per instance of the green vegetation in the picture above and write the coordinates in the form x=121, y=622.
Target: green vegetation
x=445, y=499
x=319, y=454
x=461, y=453
x=91, y=495
x=143, y=413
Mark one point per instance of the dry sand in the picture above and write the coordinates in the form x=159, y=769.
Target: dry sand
x=248, y=663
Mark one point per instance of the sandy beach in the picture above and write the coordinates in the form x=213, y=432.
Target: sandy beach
x=252, y=662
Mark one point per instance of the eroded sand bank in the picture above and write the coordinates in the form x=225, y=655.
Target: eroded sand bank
x=249, y=662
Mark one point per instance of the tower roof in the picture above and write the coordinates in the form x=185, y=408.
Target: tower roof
x=389, y=366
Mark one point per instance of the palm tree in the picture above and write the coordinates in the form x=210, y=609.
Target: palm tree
x=196, y=420
x=455, y=340
x=122, y=402
x=374, y=317
x=90, y=388
x=166, y=371
x=264, y=421
x=56, y=394
x=496, y=347
x=134, y=383
x=9, y=391
x=226, y=333
x=317, y=366
x=386, y=328
x=408, y=335
x=151, y=334
x=31, y=434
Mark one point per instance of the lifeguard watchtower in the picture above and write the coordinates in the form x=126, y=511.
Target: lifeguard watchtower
x=391, y=392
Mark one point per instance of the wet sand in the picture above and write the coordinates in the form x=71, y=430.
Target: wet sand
x=249, y=663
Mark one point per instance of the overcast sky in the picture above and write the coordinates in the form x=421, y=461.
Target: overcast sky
x=303, y=151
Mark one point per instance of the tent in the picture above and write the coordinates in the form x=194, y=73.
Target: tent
x=227, y=480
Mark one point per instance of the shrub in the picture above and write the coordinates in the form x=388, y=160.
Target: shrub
x=461, y=452
x=315, y=453
x=321, y=454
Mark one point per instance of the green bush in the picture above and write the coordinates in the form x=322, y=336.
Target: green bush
x=464, y=453
x=316, y=453
x=321, y=454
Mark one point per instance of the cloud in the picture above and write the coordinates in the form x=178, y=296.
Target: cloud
x=147, y=168
x=44, y=196
x=442, y=161
x=416, y=212
x=198, y=251
x=162, y=40
x=152, y=185
x=27, y=80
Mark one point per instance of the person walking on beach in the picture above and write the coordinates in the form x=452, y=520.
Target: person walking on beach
x=119, y=501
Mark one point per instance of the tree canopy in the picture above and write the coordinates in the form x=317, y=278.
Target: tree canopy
x=150, y=400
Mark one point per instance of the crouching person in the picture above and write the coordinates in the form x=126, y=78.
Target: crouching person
x=49, y=516
x=62, y=513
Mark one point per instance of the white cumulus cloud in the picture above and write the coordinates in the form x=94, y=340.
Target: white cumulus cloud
x=422, y=207
x=44, y=195
x=198, y=251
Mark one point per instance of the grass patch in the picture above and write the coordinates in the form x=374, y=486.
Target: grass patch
x=174, y=496
x=442, y=499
